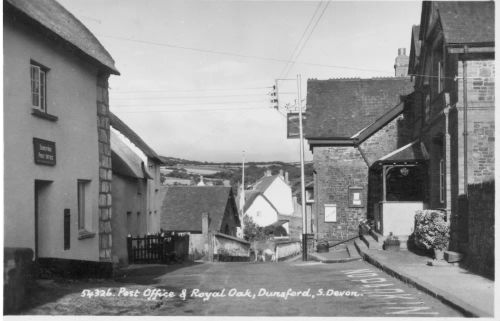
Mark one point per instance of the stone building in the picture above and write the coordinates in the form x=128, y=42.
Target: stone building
x=351, y=123
x=57, y=198
x=452, y=61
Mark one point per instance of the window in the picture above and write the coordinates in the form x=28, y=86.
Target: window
x=442, y=181
x=84, y=209
x=440, y=77
x=38, y=87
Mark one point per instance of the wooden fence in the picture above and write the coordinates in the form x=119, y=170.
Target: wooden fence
x=160, y=248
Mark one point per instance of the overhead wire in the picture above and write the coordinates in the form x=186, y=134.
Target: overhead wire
x=301, y=38
x=307, y=39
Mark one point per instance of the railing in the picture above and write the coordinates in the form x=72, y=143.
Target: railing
x=157, y=248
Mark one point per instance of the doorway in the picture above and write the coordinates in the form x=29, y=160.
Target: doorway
x=41, y=192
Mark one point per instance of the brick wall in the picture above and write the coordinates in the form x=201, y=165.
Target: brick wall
x=337, y=168
x=105, y=173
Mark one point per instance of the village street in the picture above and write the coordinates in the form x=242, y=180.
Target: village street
x=349, y=289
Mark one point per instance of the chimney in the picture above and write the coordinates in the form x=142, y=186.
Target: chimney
x=281, y=173
x=401, y=63
x=267, y=173
x=286, y=178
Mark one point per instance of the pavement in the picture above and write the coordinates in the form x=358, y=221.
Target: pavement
x=471, y=294
x=340, y=254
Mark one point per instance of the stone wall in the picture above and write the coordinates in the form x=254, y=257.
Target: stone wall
x=105, y=173
x=382, y=142
x=480, y=248
x=337, y=168
x=230, y=248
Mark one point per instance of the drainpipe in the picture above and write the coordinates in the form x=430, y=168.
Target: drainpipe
x=464, y=62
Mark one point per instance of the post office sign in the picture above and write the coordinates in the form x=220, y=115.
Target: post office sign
x=44, y=151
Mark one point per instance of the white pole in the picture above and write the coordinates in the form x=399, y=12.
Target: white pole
x=302, y=178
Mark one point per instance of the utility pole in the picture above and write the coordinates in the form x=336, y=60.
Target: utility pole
x=242, y=194
x=275, y=101
x=302, y=175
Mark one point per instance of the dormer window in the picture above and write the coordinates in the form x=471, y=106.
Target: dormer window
x=38, y=75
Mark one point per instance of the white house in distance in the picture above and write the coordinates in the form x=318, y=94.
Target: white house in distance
x=269, y=200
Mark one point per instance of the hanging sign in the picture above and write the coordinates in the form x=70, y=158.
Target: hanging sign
x=292, y=125
x=44, y=152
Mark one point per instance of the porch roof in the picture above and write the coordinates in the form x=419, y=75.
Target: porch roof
x=413, y=152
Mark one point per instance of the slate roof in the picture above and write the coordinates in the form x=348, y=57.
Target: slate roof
x=56, y=19
x=263, y=184
x=123, y=128
x=414, y=50
x=251, y=196
x=339, y=108
x=467, y=22
x=183, y=207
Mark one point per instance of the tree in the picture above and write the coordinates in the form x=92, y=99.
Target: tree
x=253, y=232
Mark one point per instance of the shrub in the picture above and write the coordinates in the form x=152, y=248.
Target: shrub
x=431, y=229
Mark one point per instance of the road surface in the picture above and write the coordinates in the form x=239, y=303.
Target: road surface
x=243, y=289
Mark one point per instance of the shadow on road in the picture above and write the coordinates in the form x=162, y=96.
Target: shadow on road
x=147, y=274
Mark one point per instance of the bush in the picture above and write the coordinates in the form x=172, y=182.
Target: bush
x=431, y=230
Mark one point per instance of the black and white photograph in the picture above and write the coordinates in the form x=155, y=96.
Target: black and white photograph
x=204, y=158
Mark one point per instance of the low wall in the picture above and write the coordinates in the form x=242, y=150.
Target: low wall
x=287, y=249
x=18, y=277
x=230, y=248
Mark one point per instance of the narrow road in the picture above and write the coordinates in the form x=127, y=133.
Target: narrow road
x=250, y=289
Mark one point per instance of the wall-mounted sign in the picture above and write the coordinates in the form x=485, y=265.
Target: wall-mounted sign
x=292, y=125
x=356, y=197
x=330, y=212
x=44, y=151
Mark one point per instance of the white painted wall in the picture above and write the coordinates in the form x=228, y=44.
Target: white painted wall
x=261, y=212
x=71, y=96
x=398, y=217
x=279, y=194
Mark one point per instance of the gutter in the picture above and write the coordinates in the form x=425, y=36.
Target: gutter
x=464, y=74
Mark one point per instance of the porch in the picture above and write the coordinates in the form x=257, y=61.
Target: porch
x=397, y=185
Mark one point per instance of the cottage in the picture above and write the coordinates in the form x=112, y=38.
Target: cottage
x=452, y=60
x=199, y=210
x=277, y=190
x=56, y=148
x=152, y=163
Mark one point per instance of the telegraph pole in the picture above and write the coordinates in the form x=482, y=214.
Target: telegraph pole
x=302, y=175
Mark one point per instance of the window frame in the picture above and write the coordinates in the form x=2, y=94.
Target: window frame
x=84, y=207
x=40, y=108
x=41, y=81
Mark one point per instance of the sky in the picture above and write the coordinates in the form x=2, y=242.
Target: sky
x=196, y=75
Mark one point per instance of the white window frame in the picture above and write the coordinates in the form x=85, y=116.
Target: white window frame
x=38, y=80
x=84, y=206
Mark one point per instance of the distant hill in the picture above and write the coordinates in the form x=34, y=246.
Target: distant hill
x=230, y=171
